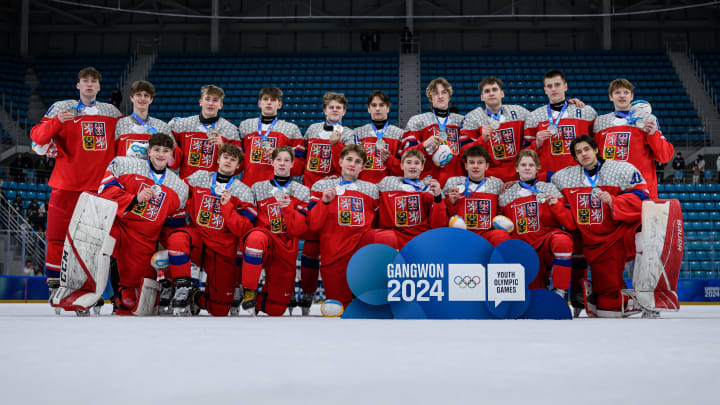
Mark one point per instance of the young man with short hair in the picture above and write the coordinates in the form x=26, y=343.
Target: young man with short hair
x=605, y=198
x=273, y=244
x=475, y=198
x=628, y=136
x=151, y=201
x=221, y=210
x=381, y=140
x=81, y=133
x=550, y=129
x=199, y=137
x=132, y=132
x=498, y=128
x=410, y=206
x=260, y=136
x=437, y=134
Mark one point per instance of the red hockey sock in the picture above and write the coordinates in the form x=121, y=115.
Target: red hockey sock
x=256, y=245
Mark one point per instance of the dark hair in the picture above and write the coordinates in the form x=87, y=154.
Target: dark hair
x=379, y=94
x=357, y=149
x=161, y=139
x=582, y=138
x=476, y=150
x=142, y=85
x=554, y=73
x=490, y=80
x=273, y=92
x=231, y=150
x=91, y=72
x=284, y=148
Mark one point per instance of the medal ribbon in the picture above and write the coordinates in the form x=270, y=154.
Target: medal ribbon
x=147, y=124
x=157, y=181
x=265, y=135
x=467, y=191
x=444, y=123
x=80, y=105
x=214, y=182
x=284, y=188
x=550, y=118
x=344, y=182
x=593, y=180
x=207, y=128
x=628, y=115
x=529, y=187
x=380, y=134
x=494, y=116
x=418, y=185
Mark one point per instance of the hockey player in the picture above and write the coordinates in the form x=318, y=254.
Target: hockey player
x=537, y=210
x=381, y=140
x=428, y=132
x=151, y=199
x=496, y=127
x=475, y=197
x=550, y=129
x=82, y=135
x=342, y=210
x=273, y=244
x=408, y=205
x=323, y=146
x=632, y=138
x=221, y=210
x=132, y=132
x=261, y=135
x=199, y=137
x=605, y=198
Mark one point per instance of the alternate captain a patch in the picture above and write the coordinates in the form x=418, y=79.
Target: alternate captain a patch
x=351, y=211
x=617, y=146
x=151, y=208
x=201, y=153
x=209, y=214
x=589, y=209
x=526, y=217
x=94, y=136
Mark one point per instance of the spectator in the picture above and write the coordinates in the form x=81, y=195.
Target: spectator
x=659, y=171
x=375, y=41
x=33, y=207
x=38, y=271
x=18, y=204
x=678, y=163
x=406, y=39
x=698, y=169
x=116, y=98
x=28, y=269
x=365, y=41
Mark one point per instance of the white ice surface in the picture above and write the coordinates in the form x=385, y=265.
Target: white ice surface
x=45, y=359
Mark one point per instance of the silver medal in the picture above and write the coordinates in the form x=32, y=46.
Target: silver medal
x=460, y=188
x=266, y=145
x=495, y=124
x=553, y=129
x=339, y=190
x=381, y=144
x=442, y=135
x=338, y=128
x=640, y=123
x=541, y=197
x=595, y=192
x=156, y=189
x=219, y=189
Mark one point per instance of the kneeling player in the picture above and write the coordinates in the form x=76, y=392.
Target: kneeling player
x=537, y=210
x=273, y=244
x=605, y=197
x=150, y=200
x=474, y=198
x=409, y=206
x=222, y=210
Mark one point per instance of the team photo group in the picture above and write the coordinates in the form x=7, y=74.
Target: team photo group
x=137, y=201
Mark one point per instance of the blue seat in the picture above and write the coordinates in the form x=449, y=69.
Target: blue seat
x=10, y=194
x=22, y=186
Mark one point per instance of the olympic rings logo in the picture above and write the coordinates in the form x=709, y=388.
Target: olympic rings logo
x=467, y=281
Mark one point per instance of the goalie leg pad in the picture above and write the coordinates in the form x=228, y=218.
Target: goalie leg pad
x=659, y=253
x=149, y=299
x=85, y=264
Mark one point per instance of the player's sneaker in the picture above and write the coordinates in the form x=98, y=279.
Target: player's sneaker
x=53, y=287
x=305, y=303
x=183, y=297
x=237, y=301
x=249, y=300
x=166, y=296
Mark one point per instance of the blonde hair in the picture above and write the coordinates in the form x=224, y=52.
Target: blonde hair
x=432, y=86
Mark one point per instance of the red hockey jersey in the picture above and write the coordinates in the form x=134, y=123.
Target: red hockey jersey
x=194, y=150
x=257, y=165
x=480, y=207
x=287, y=224
x=130, y=134
x=322, y=159
x=375, y=169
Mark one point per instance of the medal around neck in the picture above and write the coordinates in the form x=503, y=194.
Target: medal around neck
x=156, y=189
x=595, y=192
x=381, y=144
x=266, y=144
x=553, y=129
x=460, y=188
x=541, y=197
x=339, y=190
x=219, y=189
x=494, y=124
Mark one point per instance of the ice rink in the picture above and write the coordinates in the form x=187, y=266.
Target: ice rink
x=46, y=359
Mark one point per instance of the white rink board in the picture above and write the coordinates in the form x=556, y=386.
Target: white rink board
x=315, y=360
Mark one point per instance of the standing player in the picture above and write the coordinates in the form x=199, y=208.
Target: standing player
x=151, y=199
x=342, y=211
x=428, y=131
x=475, y=197
x=605, y=198
x=261, y=135
x=498, y=128
x=132, y=132
x=537, y=210
x=200, y=137
x=409, y=206
x=323, y=146
x=273, y=244
x=380, y=140
x=633, y=139
x=221, y=211
x=550, y=129
x=83, y=132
